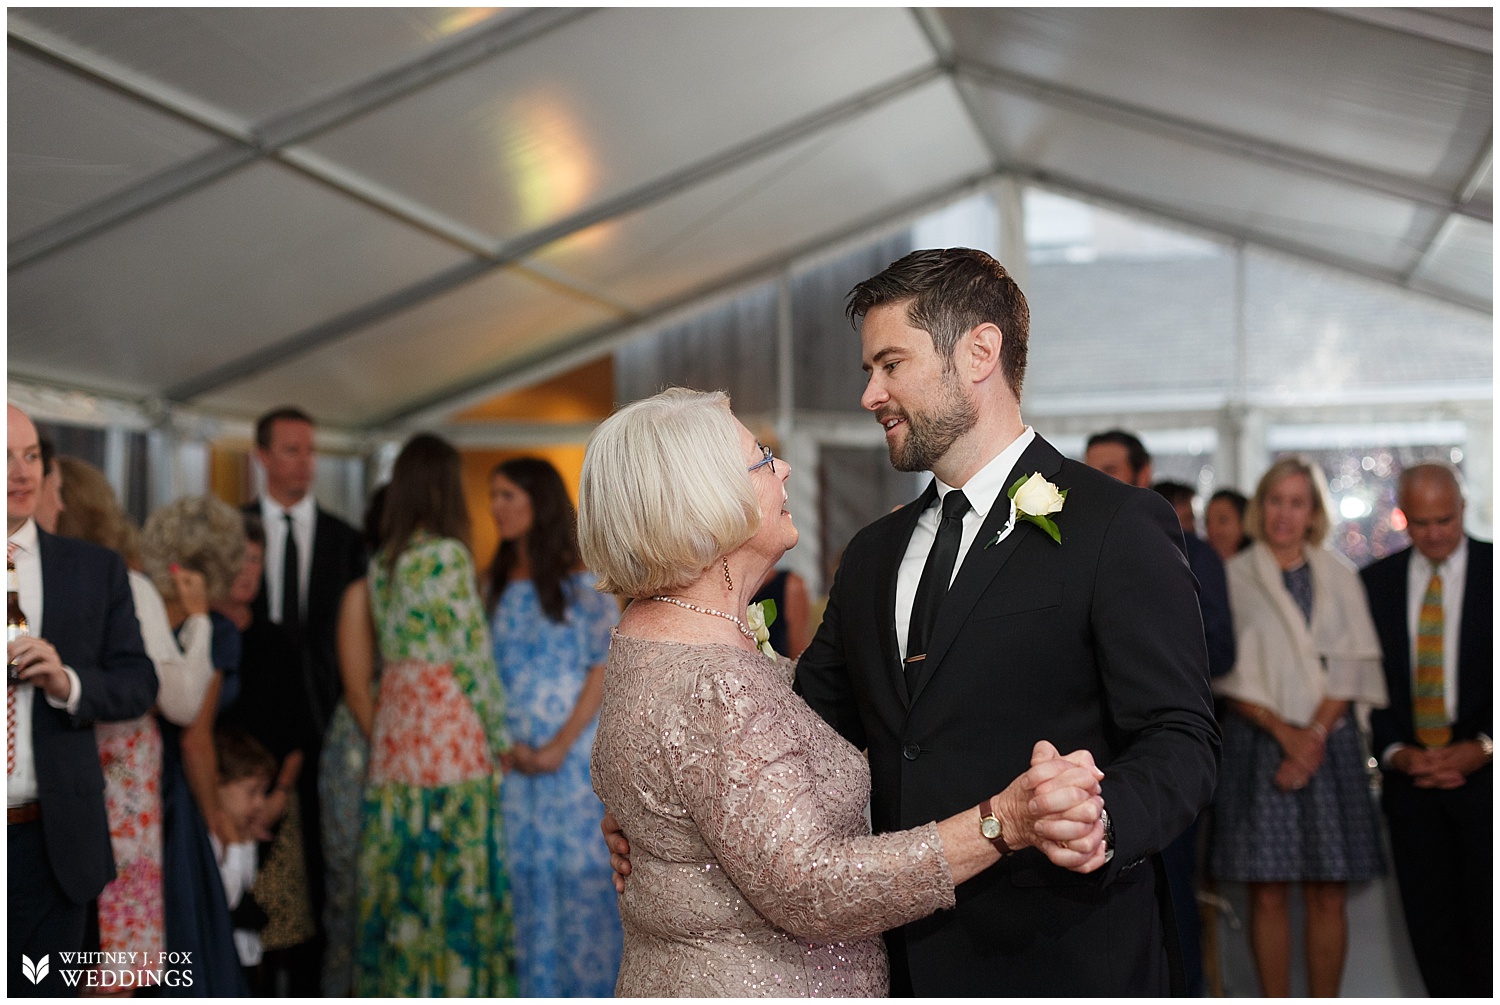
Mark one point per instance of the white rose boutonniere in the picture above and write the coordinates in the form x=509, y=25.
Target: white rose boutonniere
x=1033, y=498
x=760, y=617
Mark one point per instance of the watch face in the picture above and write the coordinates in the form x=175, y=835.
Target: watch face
x=990, y=828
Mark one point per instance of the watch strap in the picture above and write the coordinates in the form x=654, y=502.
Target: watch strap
x=987, y=814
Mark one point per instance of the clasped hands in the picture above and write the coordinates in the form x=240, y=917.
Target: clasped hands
x=543, y=760
x=1440, y=767
x=1054, y=806
x=1304, y=749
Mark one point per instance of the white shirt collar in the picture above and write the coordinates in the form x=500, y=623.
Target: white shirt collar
x=989, y=481
x=25, y=539
x=1457, y=560
x=303, y=511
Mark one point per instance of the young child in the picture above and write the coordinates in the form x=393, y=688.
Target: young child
x=246, y=771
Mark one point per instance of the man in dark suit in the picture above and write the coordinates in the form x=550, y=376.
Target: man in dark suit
x=311, y=556
x=82, y=663
x=1433, y=606
x=956, y=637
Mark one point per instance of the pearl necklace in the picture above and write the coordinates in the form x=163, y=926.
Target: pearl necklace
x=744, y=629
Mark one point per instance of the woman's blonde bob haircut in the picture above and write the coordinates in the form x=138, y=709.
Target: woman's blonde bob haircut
x=199, y=533
x=1255, y=512
x=664, y=493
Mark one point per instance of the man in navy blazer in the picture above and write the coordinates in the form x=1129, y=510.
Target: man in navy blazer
x=1437, y=797
x=83, y=663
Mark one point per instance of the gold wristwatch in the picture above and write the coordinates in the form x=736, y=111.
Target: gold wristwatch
x=990, y=829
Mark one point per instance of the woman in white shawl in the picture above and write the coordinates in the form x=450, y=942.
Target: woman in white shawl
x=1293, y=804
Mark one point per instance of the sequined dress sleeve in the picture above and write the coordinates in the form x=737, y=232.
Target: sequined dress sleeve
x=710, y=761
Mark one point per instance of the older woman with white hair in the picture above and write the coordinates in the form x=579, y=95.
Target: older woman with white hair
x=1293, y=805
x=753, y=870
x=207, y=536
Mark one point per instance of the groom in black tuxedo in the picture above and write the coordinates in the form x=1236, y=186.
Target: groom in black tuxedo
x=956, y=637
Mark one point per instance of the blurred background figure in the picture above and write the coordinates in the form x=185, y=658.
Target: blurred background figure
x=1213, y=590
x=130, y=909
x=792, y=629
x=49, y=503
x=1224, y=523
x=342, y=769
x=272, y=710
x=551, y=629
x=310, y=557
x=1120, y=455
x=206, y=536
x=434, y=911
x=1293, y=805
x=1433, y=605
x=247, y=771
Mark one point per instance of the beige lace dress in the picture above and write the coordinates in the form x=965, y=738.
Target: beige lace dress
x=753, y=871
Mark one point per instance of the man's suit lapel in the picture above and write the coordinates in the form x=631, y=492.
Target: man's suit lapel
x=896, y=544
x=55, y=585
x=981, y=565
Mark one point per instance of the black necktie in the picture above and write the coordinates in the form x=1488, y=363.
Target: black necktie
x=933, y=586
x=291, y=594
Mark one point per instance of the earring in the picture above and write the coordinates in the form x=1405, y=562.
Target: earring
x=728, y=583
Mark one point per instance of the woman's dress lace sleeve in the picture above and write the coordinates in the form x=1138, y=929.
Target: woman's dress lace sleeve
x=745, y=772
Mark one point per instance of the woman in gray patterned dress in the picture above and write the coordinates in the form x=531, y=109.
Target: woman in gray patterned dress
x=1292, y=804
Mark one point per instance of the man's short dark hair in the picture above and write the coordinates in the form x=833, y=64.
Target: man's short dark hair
x=951, y=292
x=49, y=454
x=263, y=424
x=1136, y=454
x=1175, y=493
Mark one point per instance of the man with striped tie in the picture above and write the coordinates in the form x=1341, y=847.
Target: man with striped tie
x=1433, y=607
x=82, y=663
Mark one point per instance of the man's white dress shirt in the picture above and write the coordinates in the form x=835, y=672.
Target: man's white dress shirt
x=20, y=784
x=304, y=518
x=983, y=491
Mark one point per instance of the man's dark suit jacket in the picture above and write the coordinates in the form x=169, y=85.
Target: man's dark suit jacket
x=1093, y=643
x=1213, y=602
x=1440, y=838
x=1385, y=585
x=338, y=559
x=88, y=615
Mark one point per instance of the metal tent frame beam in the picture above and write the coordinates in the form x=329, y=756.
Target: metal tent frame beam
x=512, y=252
x=1219, y=140
x=249, y=144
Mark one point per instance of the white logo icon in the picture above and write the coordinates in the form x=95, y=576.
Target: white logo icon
x=35, y=972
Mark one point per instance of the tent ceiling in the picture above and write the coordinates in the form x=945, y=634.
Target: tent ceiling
x=374, y=210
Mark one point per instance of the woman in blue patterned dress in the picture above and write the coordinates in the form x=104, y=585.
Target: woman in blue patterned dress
x=551, y=630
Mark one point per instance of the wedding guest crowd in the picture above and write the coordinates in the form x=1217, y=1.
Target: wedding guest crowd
x=327, y=775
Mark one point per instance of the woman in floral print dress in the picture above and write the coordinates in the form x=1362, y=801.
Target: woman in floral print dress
x=434, y=912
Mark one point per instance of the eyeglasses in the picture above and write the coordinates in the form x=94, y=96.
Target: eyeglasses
x=766, y=457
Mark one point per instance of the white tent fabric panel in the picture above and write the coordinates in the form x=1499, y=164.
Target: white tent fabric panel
x=443, y=343
x=1304, y=80
x=256, y=63
x=1462, y=259
x=1243, y=196
x=220, y=272
x=217, y=206
x=781, y=201
x=577, y=118
x=73, y=142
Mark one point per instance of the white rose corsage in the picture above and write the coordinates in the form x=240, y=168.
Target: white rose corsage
x=760, y=617
x=1032, y=499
